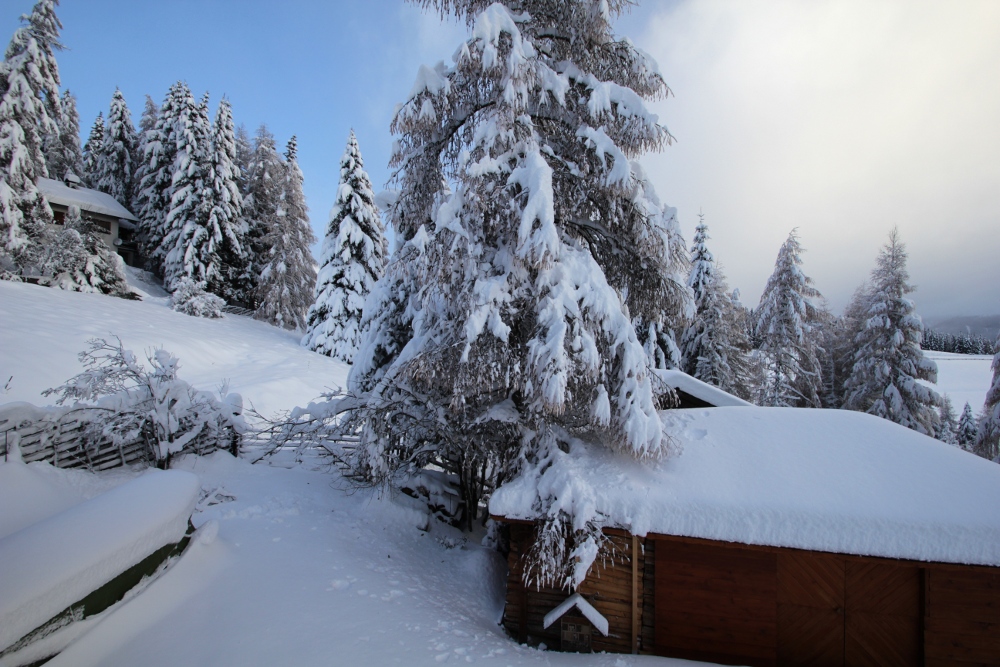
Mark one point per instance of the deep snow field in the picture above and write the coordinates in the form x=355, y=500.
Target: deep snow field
x=305, y=570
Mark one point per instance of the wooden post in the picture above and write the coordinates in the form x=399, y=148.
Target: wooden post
x=636, y=625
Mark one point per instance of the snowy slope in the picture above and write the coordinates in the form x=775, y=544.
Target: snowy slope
x=44, y=329
x=304, y=571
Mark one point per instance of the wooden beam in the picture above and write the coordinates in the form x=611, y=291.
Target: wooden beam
x=636, y=624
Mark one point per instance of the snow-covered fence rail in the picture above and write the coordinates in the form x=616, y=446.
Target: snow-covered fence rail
x=59, y=436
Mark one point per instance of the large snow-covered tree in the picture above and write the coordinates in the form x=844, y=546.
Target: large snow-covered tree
x=63, y=154
x=528, y=244
x=189, y=246
x=288, y=274
x=353, y=259
x=987, y=442
x=713, y=346
x=93, y=152
x=785, y=323
x=264, y=181
x=888, y=361
x=153, y=200
x=30, y=111
x=117, y=164
x=224, y=203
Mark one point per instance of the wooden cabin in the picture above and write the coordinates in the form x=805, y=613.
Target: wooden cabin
x=116, y=223
x=778, y=537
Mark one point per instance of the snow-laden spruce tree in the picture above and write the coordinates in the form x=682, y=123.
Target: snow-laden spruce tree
x=153, y=200
x=947, y=427
x=987, y=442
x=888, y=361
x=30, y=111
x=713, y=347
x=785, y=323
x=288, y=275
x=93, y=153
x=63, y=154
x=188, y=246
x=528, y=243
x=967, y=429
x=264, y=182
x=353, y=259
x=224, y=203
x=119, y=150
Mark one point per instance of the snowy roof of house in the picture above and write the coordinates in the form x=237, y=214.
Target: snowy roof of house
x=825, y=480
x=700, y=390
x=89, y=200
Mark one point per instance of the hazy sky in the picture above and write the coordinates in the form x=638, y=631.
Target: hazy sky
x=839, y=118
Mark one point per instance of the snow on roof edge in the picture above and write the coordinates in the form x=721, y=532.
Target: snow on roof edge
x=714, y=396
x=92, y=201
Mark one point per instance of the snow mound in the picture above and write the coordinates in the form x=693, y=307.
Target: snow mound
x=53, y=563
x=826, y=480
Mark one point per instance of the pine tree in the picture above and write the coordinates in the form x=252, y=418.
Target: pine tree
x=189, y=247
x=987, y=442
x=93, y=153
x=354, y=254
x=118, y=153
x=288, y=277
x=967, y=430
x=888, y=360
x=225, y=210
x=786, y=319
x=30, y=112
x=528, y=244
x=63, y=154
x=153, y=200
x=947, y=422
x=711, y=344
x=261, y=200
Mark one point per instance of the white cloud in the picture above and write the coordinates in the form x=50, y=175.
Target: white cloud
x=841, y=118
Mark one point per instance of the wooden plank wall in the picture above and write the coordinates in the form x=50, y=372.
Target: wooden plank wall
x=962, y=619
x=608, y=588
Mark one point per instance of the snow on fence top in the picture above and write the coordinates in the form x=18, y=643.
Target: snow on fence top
x=94, y=201
x=51, y=564
x=825, y=480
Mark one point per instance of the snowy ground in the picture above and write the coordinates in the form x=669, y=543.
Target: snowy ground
x=304, y=571
x=964, y=377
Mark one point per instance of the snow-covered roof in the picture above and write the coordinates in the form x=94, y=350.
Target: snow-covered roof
x=57, y=192
x=700, y=390
x=826, y=480
x=576, y=600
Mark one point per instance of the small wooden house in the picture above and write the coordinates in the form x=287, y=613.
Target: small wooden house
x=117, y=223
x=778, y=537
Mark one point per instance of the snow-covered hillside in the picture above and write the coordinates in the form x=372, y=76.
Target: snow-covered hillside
x=305, y=570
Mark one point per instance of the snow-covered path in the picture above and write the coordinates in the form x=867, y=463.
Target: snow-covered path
x=303, y=573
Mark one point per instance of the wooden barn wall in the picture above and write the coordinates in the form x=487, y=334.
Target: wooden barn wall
x=609, y=588
x=742, y=604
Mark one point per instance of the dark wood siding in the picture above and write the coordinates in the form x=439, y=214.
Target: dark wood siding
x=744, y=604
x=715, y=603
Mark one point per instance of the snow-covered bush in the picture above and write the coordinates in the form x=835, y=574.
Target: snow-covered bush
x=124, y=401
x=75, y=258
x=987, y=442
x=189, y=297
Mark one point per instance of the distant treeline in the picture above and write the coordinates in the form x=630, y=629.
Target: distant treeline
x=959, y=343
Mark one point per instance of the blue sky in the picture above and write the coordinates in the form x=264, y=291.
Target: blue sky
x=838, y=117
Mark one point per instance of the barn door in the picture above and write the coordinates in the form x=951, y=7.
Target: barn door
x=810, y=609
x=883, y=614
x=714, y=603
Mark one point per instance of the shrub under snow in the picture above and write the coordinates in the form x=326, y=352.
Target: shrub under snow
x=190, y=298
